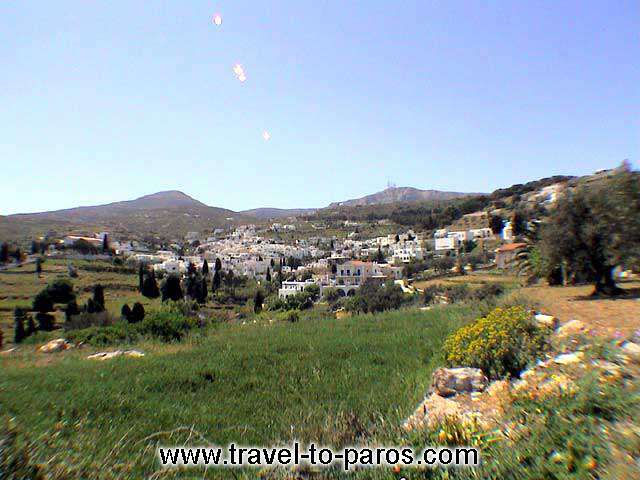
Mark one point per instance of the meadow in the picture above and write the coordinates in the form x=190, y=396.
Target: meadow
x=323, y=379
x=19, y=285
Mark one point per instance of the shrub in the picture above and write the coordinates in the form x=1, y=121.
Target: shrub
x=291, y=316
x=171, y=289
x=88, y=319
x=101, y=336
x=137, y=313
x=331, y=295
x=19, y=333
x=299, y=301
x=125, y=312
x=42, y=302
x=45, y=321
x=167, y=326
x=456, y=293
x=501, y=344
x=487, y=291
x=61, y=291
x=274, y=303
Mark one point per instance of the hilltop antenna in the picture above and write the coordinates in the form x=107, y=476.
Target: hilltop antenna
x=390, y=184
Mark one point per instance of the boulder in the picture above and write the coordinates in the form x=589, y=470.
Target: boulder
x=57, y=345
x=569, y=358
x=546, y=320
x=631, y=350
x=115, y=353
x=572, y=327
x=433, y=410
x=451, y=381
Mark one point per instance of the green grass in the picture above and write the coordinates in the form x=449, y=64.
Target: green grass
x=253, y=384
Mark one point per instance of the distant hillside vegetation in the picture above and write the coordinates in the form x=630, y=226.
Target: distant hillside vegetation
x=169, y=214
x=400, y=194
x=274, y=213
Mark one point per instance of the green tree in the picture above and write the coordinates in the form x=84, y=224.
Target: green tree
x=31, y=326
x=150, y=286
x=496, y=224
x=19, y=334
x=216, y=281
x=4, y=252
x=171, y=288
x=519, y=222
x=140, y=277
x=137, y=313
x=105, y=243
x=258, y=299
x=268, y=276
x=38, y=266
x=98, y=298
x=42, y=302
x=125, y=312
x=595, y=228
x=61, y=290
x=205, y=268
x=218, y=265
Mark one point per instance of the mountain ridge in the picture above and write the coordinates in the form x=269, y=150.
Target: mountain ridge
x=400, y=194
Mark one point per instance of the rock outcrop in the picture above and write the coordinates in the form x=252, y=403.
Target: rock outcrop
x=447, y=382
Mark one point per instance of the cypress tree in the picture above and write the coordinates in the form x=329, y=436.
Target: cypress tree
x=98, y=297
x=268, y=275
x=218, y=265
x=31, y=326
x=105, y=244
x=125, y=312
x=140, y=278
x=216, y=281
x=205, y=268
x=258, y=299
x=137, y=313
x=18, y=330
x=204, y=291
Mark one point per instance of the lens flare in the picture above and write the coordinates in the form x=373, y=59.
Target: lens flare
x=266, y=135
x=217, y=19
x=239, y=72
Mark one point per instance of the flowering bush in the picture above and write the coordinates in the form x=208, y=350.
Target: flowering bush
x=501, y=344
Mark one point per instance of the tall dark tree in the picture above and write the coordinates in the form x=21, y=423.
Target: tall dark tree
x=272, y=263
x=18, y=329
x=125, y=312
x=191, y=269
x=204, y=291
x=268, y=276
x=105, y=243
x=379, y=256
x=31, y=326
x=4, y=252
x=150, y=286
x=519, y=222
x=215, y=285
x=38, y=266
x=496, y=224
x=171, y=288
x=140, y=277
x=137, y=313
x=205, y=268
x=258, y=300
x=34, y=247
x=71, y=310
x=218, y=265
x=98, y=298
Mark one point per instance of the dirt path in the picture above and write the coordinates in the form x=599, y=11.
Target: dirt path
x=605, y=316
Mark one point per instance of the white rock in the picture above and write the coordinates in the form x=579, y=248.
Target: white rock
x=134, y=353
x=632, y=350
x=115, y=353
x=569, y=358
x=57, y=345
x=546, y=320
x=572, y=327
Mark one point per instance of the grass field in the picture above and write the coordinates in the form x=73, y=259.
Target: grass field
x=19, y=285
x=254, y=384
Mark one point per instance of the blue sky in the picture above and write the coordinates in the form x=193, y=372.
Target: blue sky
x=108, y=101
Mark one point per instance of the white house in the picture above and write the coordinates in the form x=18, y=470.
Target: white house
x=483, y=233
x=449, y=243
x=293, y=287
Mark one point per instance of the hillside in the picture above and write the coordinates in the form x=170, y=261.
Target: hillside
x=274, y=213
x=400, y=194
x=169, y=214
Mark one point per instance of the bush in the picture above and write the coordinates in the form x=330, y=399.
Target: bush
x=501, y=344
x=299, y=301
x=61, y=291
x=166, y=326
x=332, y=295
x=274, y=303
x=88, y=319
x=137, y=313
x=291, y=316
x=487, y=291
x=102, y=336
x=42, y=302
